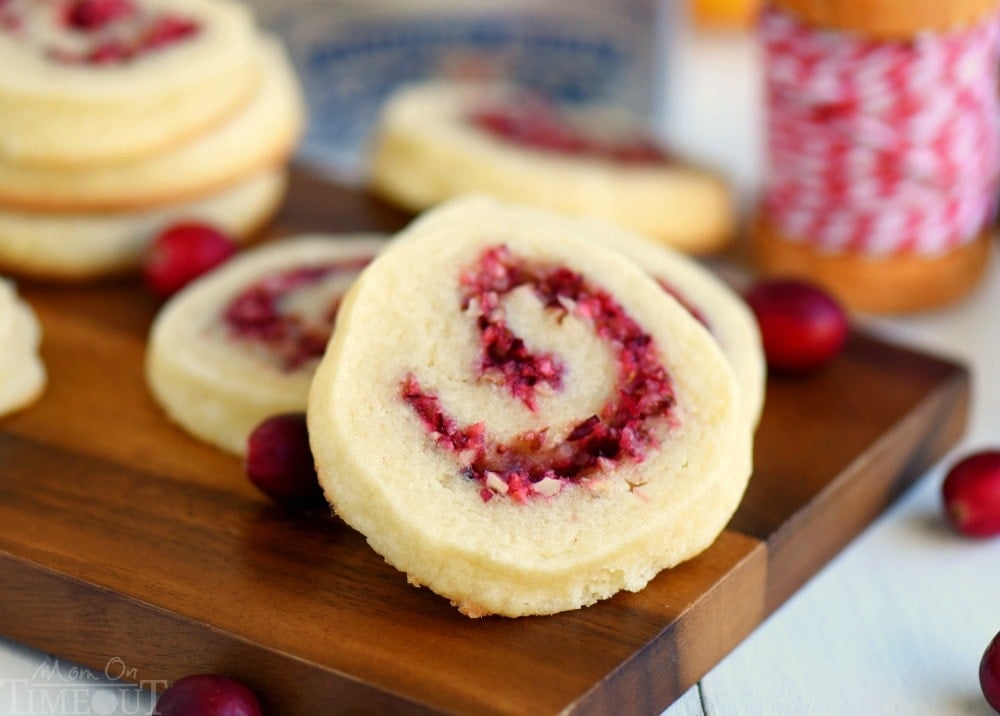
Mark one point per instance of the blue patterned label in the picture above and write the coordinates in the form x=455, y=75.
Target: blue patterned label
x=350, y=62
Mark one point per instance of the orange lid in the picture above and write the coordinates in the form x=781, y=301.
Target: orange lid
x=889, y=18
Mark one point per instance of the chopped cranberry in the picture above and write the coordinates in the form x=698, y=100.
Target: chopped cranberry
x=487, y=282
x=91, y=15
x=256, y=313
x=9, y=22
x=624, y=429
x=108, y=53
x=167, y=30
x=144, y=32
x=536, y=124
x=638, y=151
x=182, y=253
x=207, y=695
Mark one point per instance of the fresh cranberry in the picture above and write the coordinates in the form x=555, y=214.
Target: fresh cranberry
x=971, y=493
x=90, y=15
x=207, y=695
x=280, y=463
x=182, y=253
x=989, y=673
x=802, y=326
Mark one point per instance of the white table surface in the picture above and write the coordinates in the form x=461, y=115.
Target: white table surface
x=896, y=624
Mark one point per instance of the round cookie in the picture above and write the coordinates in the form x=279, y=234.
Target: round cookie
x=78, y=247
x=97, y=81
x=262, y=135
x=519, y=418
x=437, y=141
x=22, y=374
x=714, y=304
x=241, y=344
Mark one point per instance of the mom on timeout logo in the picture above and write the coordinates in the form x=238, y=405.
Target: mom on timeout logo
x=60, y=689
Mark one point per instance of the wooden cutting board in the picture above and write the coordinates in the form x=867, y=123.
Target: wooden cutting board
x=122, y=537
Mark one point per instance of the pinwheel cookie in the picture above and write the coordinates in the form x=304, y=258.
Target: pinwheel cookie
x=439, y=140
x=99, y=81
x=22, y=375
x=82, y=246
x=518, y=417
x=241, y=343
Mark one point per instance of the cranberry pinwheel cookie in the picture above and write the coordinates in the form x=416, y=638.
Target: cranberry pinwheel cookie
x=22, y=375
x=72, y=247
x=241, y=343
x=439, y=140
x=99, y=81
x=519, y=418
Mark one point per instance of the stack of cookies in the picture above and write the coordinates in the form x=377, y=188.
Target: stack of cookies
x=119, y=117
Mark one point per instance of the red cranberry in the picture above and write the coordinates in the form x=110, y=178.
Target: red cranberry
x=802, y=327
x=989, y=673
x=971, y=492
x=207, y=695
x=182, y=253
x=280, y=463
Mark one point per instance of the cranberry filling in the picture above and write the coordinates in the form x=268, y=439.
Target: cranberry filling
x=622, y=431
x=494, y=276
x=90, y=15
x=536, y=124
x=10, y=21
x=165, y=31
x=257, y=314
x=105, y=31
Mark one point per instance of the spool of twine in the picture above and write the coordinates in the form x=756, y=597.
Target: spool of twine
x=884, y=157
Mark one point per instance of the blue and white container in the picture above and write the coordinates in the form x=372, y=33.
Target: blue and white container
x=351, y=54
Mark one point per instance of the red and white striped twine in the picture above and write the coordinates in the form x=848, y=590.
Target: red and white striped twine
x=877, y=146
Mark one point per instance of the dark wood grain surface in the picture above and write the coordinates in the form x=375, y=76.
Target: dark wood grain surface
x=120, y=536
